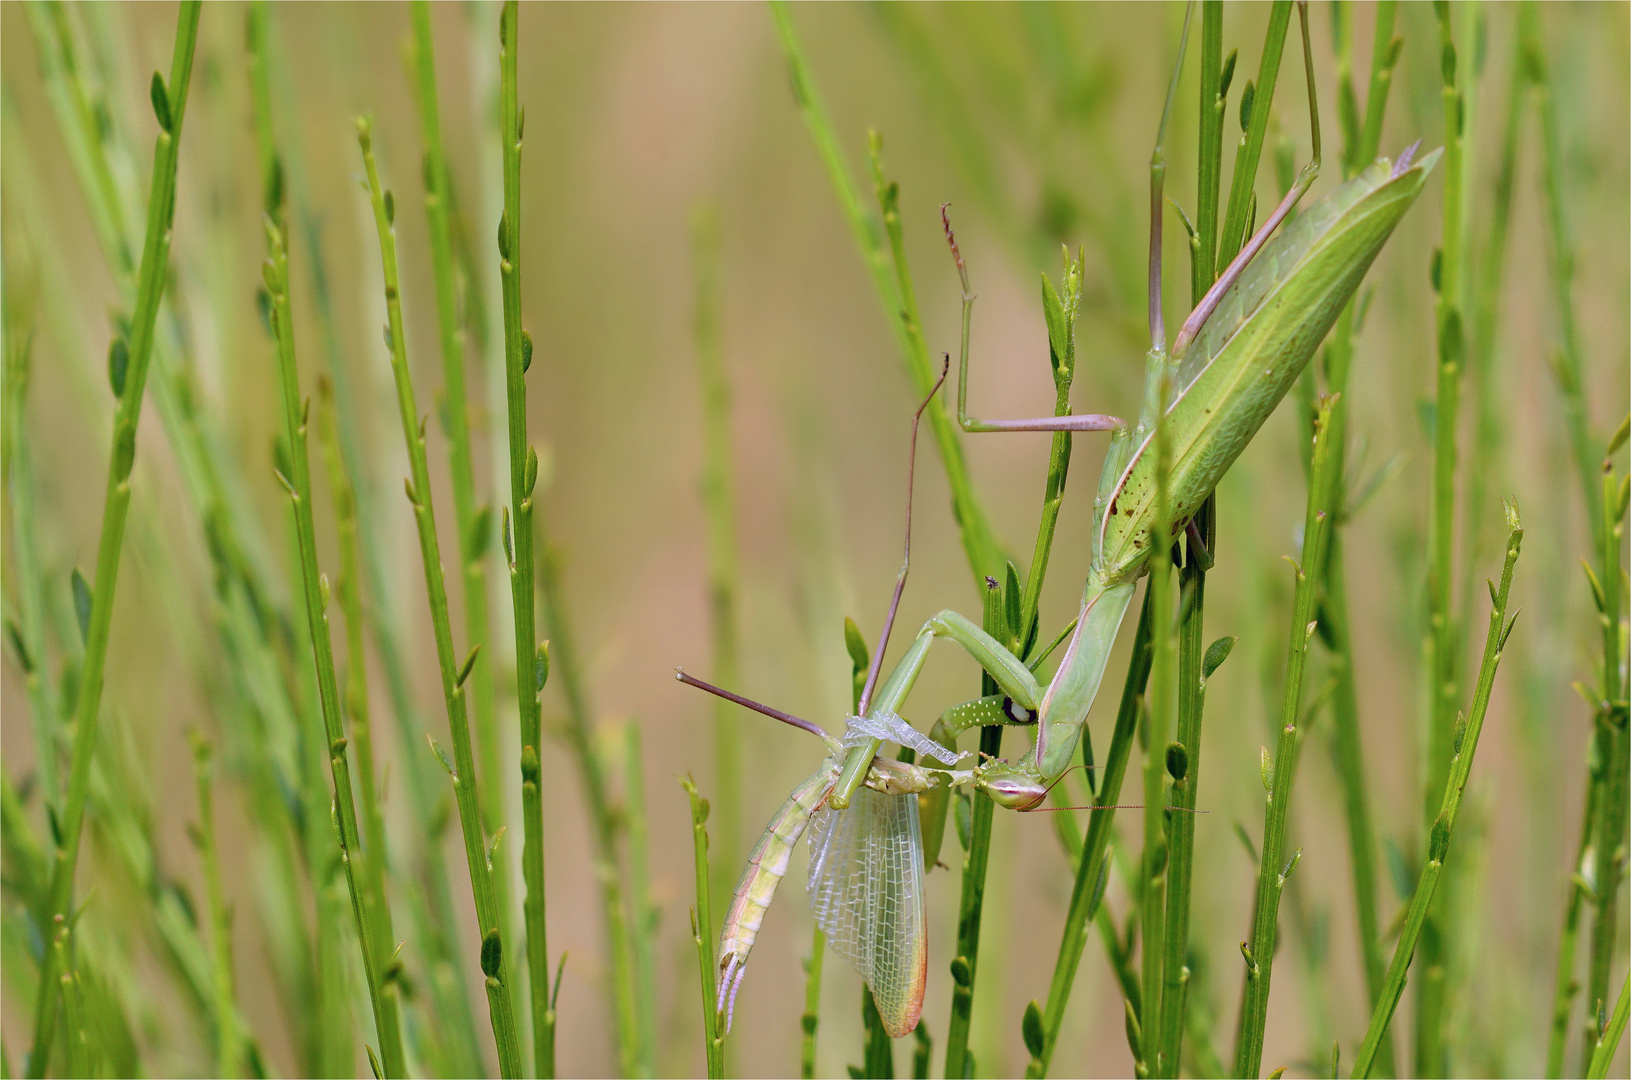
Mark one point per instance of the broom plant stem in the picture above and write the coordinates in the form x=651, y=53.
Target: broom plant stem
x=155, y=266
x=1464, y=745
x=370, y=912
x=1278, y=772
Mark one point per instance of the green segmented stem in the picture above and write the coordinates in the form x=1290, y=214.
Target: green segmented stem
x=229, y=1040
x=1273, y=867
x=702, y=933
x=1465, y=745
x=370, y=912
x=155, y=263
x=465, y=786
x=474, y=520
x=523, y=475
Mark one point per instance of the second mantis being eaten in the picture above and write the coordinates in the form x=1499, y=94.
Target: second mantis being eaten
x=1236, y=356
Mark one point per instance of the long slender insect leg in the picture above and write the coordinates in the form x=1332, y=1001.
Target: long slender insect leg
x=1305, y=178
x=1084, y=422
x=860, y=757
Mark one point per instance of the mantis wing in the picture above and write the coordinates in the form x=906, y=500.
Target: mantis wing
x=866, y=891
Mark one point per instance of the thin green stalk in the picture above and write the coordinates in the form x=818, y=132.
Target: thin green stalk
x=1158, y=719
x=702, y=933
x=1360, y=146
x=473, y=518
x=1242, y=200
x=719, y=506
x=1609, y=780
x=810, y=1022
x=878, y=1049
x=979, y=542
x=523, y=476
x=1613, y=760
x=28, y=631
x=1566, y=986
x=229, y=1042
x=1465, y=745
x=454, y=674
x=642, y=913
x=1182, y=757
x=1091, y=870
x=1444, y=636
x=75, y=1038
x=1608, y=1042
x=976, y=859
x=1279, y=771
x=370, y=913
x=170, y=104
x=1569, y=363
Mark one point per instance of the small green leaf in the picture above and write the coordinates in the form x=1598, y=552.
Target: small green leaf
x=161, y=101
x=469, y=663
x=1619, y=438
x=1439, y=838
x=509, y=548
x=1278, y=1073
x=1246, y=842
x=1031, y=1027
x=118, y=364
x=961, y=973
x=82, y=603
x=1291, y=864
x=504, y=237
x=124, y=450
x=1435, y=269
x=1177, y=760
x=541, y=668
x=1265, y=767
x=441, y=755
x=1011, y=597
x=14, y=634
x=529, y=471
x=322, y=591
x=390, y=209
x=263, y=306
x=526, y=351
x=1228, y=74
x=1216, y=654
x=855, y=645
x=1247, y=96
x=492, y=953
x=373, y=1063
x=1053, y=314
x=492, y=845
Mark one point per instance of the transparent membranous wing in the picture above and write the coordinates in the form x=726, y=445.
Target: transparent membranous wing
x=866, y=891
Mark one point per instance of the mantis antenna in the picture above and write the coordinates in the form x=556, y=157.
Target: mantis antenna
x=749, y=703
x=906, y=558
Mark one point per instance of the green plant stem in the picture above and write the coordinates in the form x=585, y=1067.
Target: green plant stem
x=116, y=508
x=1241, y=198
x=810, y=1022
x=473, y=518
x=979, y=542
x=719, y=506
x=976, y=860
x=1087, y=893
x=371, y=913
x=1346, y=734
x=1608, y=1042
x=1569, y=362
x=1272, y=867
x=642, y=914
x=1443, y=640
x=465, y=786
x=1465, y=745
x=28, y=576
x=1565, y=984
x=702, y=932
x=523, y=477
x=229, y=1042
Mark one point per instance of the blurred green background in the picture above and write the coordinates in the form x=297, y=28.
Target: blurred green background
x=1036, y=124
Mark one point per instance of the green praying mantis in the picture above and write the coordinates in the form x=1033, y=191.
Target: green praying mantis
x=1236, y=356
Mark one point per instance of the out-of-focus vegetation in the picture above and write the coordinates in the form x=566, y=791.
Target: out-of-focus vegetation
x=720, y=415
